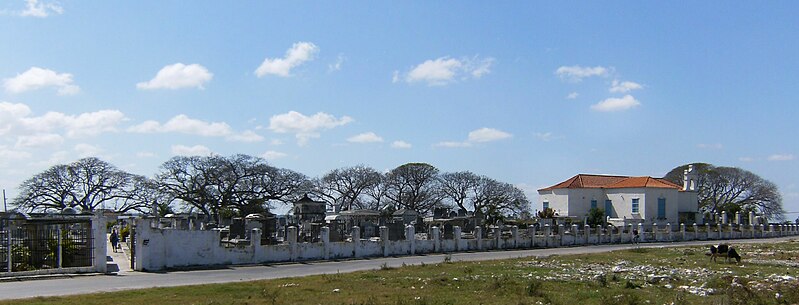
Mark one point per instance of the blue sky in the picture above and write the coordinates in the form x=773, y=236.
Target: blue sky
x=526, y=93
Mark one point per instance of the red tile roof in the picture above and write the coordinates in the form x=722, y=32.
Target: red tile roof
x=611, y=182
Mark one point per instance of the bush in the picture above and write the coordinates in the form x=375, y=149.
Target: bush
x=124, y=233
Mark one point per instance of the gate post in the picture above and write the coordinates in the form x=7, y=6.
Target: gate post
x=60, y=250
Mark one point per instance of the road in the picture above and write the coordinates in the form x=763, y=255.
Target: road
x=126, y=280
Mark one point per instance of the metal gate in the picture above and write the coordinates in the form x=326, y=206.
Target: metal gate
x=36, y=244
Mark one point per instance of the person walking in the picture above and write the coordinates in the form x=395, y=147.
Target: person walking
x=114, y=240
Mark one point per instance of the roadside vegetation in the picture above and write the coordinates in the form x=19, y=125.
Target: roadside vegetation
x=683, y=275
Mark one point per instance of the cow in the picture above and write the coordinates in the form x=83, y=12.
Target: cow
x=725, y=251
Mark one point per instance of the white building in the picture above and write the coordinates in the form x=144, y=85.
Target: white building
x=625, y=199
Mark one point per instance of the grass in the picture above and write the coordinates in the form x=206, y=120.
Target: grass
x=640, y=276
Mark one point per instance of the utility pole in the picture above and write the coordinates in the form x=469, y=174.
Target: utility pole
x=5, y=208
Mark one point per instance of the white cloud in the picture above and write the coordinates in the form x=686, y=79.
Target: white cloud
x=84, y=124
x=395, y=77
x=401, y=144
x=481, y=135
x=367, y=137
x=453, y=144
x=710, y=146
x=86, y=150
x=273, y=155
x=7, y=154
x=37, y=78
x=16, y=119
x=487, y=135
x=577, y=73
x=145, y=154
x=298, y=54
x=781, y=157
x=39, y=140
x=624, y=87
x=305, y=127
x=248, y=136
x=616, y=104
x=35, y=9
x=572, y=95
x=544, y=136
x=445, y=70
x=196, y=150
x=177, y=76
x=186, y=125
x=336, y=66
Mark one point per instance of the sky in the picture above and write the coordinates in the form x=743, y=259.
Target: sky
x=529, y=93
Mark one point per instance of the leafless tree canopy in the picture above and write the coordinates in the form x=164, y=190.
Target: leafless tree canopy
x=88, y=184
x=483, y=195
x=348, y=188
x=238, y=184
x=216, y=186
x=732, y=189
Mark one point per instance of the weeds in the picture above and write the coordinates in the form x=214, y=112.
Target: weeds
x=385, y=266
x=270, y=295
x=534, y=288
x=448, y=259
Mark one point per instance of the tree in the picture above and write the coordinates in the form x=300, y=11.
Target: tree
x=88, y=184
x=345, y=188
x=499, y=200
x=236, y=185
x=414, y=186
x=460, y=188
x=596, y=216
x=731, y=189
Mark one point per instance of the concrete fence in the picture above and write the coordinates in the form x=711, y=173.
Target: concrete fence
x=158, y=249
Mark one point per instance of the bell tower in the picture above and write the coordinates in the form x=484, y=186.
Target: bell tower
x=690, y=178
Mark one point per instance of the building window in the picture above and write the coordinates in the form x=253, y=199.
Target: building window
x=661, y=208
x=635, y=205
x=608, y=208
x=593, y=203
x=546, y=205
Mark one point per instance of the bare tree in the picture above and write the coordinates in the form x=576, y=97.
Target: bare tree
x=459, y=188
x=88, y=183
x=240, y=183
x=731, y=189
x=499, y=200
x=346, y=188
x=414, y=186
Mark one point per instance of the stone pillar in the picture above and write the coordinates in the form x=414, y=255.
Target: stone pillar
x=478, y=235
x=514, y=230
x=771, y=230
x=598, y=234
x=497, y=238
x=325, y=237
x=291, y=236
x=410, y=235
x=724, y=217
x=356, y=241
x=721, y=229
x=738, y=218
x=384, y=242
x=630, y=232
x=609, y=229
x=547, y=233
x=531, y=230
x=656, y=231
x=586, y=233
x=752, y=218
x=98, y=223
x=668, y=230
x=682, y=231
x=456, y=235
x=436, y=239
x=641, y=231
x=707, y=226
x=574, y=234
x=696, y=231
x=560, y=234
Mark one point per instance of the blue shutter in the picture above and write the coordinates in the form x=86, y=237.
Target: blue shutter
x=661, y=208
x=608, y=207
x=593, y=204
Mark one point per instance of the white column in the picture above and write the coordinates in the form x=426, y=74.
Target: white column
x=325, y=237
x=456, y=235
x=292, y=238
x=478, y=235
x=410, y=235
x=356, y=241
x=436, y=239
x=514, y=230
x=384, y=240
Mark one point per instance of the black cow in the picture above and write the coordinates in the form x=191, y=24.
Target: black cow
x=724, y=251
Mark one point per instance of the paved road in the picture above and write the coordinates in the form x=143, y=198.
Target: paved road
x=137, y=280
